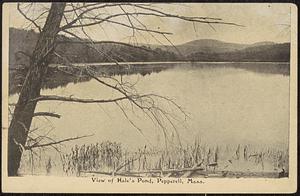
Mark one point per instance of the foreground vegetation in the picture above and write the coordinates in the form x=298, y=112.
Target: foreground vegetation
x=197, y=159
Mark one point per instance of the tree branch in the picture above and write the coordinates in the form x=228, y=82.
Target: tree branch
x=105, y=42
x=55, y=143
x=27, y=18
x=207, y=20
x=24, y=53
x=107, y=19
x=154, y=12
x=78, y=100
x=84, y=12
x=46, y=114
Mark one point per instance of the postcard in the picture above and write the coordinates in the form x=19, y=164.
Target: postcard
x=149, y=97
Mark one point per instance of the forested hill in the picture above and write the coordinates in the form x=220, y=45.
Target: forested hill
x=215, y=50
x=265, y=53
x=22, y=42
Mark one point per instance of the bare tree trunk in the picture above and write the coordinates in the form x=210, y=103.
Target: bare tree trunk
x=24, y=110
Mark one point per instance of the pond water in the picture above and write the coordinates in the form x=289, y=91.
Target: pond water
x=225, y=106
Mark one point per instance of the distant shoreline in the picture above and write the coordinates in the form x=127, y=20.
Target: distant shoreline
x=56, y=78
x=169, y=62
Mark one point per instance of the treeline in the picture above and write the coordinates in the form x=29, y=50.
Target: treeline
x=264, y=53
x=110, y=52
x=22, y=42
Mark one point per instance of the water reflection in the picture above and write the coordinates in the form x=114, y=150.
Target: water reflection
x=226, y=106
x=56, y=78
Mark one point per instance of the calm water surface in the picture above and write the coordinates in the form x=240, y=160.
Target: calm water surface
x=225, y=105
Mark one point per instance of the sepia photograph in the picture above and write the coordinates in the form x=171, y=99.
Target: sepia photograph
x=112, y=97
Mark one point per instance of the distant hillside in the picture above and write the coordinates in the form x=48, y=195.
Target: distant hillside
x=21, y=41
x=22, y=44
x=204, y=45
x=262, y=44
x=268, y=52
x=210, y=46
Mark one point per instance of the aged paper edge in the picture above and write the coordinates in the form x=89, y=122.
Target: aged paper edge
x=49, y=184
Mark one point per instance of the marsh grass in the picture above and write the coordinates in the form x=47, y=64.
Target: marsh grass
x=112, y=157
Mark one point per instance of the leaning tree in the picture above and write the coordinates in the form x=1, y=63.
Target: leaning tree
x=52, y=20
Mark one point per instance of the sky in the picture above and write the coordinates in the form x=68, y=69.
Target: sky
x=261, y=21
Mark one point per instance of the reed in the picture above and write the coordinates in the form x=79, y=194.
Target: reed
x=111, y=157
